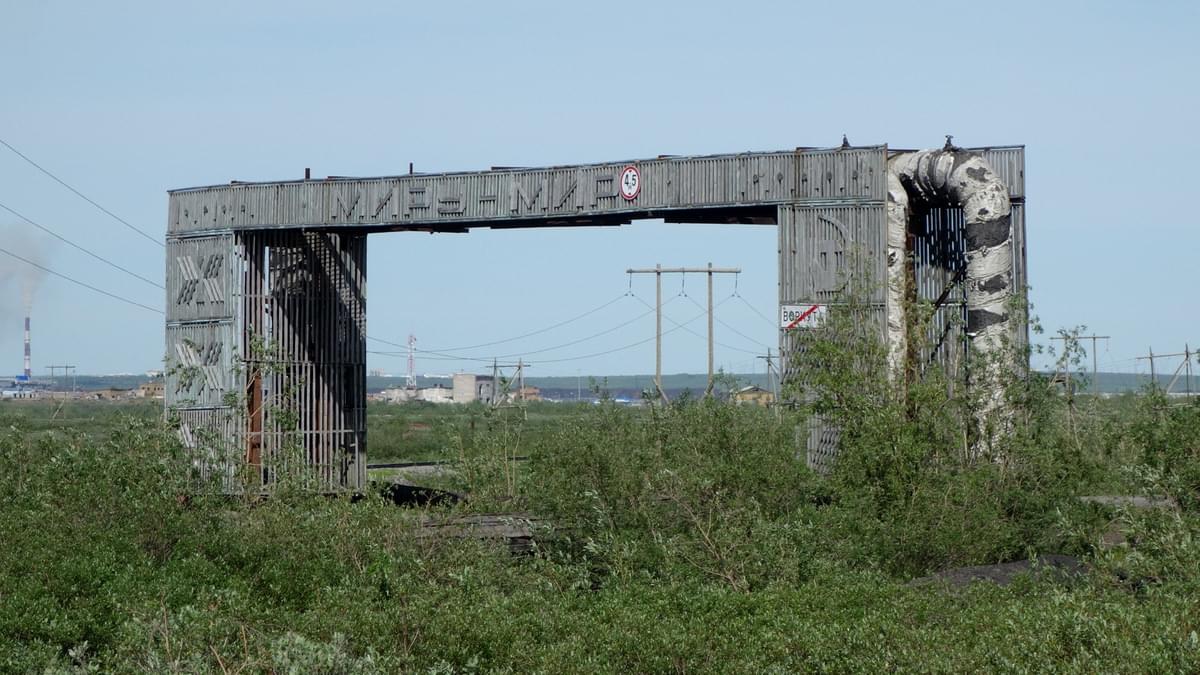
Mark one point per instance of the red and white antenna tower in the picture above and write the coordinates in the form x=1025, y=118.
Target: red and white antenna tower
x=411, y=382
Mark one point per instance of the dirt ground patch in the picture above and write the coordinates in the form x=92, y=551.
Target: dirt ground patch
x=1059, y=567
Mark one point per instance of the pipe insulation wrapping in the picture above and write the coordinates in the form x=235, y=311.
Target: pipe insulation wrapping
x=897, y=283
x=965, y=179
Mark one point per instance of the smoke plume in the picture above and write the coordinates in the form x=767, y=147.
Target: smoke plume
x=19, y=281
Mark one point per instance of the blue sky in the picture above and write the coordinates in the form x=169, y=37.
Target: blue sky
x=127, y=100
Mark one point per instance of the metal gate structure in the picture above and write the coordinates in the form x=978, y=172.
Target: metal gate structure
x=266, y=282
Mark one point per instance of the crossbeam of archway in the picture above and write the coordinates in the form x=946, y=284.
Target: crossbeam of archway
x=735, y=188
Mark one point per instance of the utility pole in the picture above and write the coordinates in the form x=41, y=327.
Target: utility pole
x=709, y=389
x=1187, y=359
x=411, y=381
x=498, y=395
x=1185, y=368
x=1076, y=338
x=658, y=332
x=66, y=370
x=772, y=379
x=658, y=271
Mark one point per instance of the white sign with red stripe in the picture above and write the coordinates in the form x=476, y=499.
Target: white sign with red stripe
x=802, y=316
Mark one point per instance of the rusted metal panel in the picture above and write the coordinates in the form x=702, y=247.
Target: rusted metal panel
x=553, y=195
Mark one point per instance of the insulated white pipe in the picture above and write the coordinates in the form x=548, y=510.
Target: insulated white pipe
x=897, y=279
x=966, y=179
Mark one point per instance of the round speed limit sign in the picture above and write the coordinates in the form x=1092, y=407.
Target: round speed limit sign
x=631, y=183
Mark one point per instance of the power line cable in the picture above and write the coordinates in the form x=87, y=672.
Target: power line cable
x=428, y=358
x=617, y=349
x=449, y=357
x=702, y=337
x=580, y=357
x=441, y=355
x=575, y=342
x=82, y=196
x=518, y=337
x=80, y=283
x=72, y=244
x=753, y=308
x=718, y=320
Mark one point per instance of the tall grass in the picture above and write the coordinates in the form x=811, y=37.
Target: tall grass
x=687, y=538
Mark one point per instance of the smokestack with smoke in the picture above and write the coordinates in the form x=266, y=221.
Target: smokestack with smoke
x=19, y=281
x=28, y=361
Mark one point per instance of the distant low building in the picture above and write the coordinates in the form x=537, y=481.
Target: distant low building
x=436, y=394
x=753, y=395
x=469, y=387
x=113, y=394
x=152, y=389
x=526, y=393
x=398, y=395
x=19, y=394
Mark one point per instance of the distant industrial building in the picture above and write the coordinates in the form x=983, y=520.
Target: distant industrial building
x=526, y=393
x=112, y=394
x=753, y=395
x=152, y=389
x=434, y=394
x=468, y=387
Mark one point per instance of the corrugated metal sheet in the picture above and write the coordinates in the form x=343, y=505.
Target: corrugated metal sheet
x=213, y=437
x=823, y=248
x=828, y=253
x=310, y=374
x=821, y=444
x=198, y=276
x=201, y=365
x=1009, y=164
x=837, y=174
x=203, y=339
x=267, y=357
x=550, y=195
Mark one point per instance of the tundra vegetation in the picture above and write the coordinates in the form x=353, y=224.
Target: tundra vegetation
x=685, y=538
